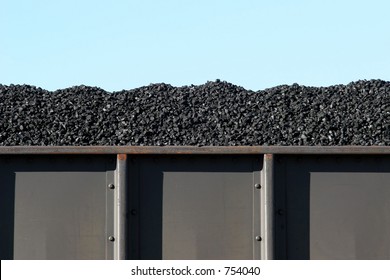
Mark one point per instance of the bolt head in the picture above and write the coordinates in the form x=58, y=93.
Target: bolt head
x=258, y=238
x=111, y=238
x=257, y=186
x=111, y=186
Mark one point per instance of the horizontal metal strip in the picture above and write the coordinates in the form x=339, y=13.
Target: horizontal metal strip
x=189, y=150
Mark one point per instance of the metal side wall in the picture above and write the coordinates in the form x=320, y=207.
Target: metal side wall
x=332, y=207
x=195, y=207
x=56, y=207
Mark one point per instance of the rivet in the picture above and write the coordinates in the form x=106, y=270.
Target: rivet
x=111, y=238
x=258, y=238
x=257, y=186
x=111, y=186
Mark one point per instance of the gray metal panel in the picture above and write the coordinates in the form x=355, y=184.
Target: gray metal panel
x=334, y=208
x=258, y=211
x=59, y=215
x=193, y=207
x=59, y=207
x=133, y=200
x=349, y=215
x=110, y=213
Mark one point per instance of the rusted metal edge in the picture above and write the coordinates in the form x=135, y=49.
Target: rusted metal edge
x=189, y=150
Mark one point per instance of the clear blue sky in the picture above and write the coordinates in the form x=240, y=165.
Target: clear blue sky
x=122, y=44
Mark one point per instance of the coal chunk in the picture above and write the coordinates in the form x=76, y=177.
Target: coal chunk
x=213, y=114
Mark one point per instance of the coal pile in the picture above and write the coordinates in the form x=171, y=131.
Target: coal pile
x=216, y=113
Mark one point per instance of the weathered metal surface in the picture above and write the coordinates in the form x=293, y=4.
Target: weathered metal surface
x=195, y=203
x=193, y=207
x=207, y=150
x=268, y=207
x=121, y=207
x=334, y=207
x=258, y=210
x=349, y=215
x=58, y=207
x=110, y=210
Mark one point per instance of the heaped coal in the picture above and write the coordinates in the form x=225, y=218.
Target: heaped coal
x=216, y=113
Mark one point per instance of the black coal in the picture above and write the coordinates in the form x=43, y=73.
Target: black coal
x=216, y=113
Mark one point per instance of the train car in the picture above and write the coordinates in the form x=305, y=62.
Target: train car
x=178, y=202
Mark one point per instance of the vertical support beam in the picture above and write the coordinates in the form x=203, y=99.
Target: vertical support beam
x=257, y=211
x=120, y=216
x=268, y=208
